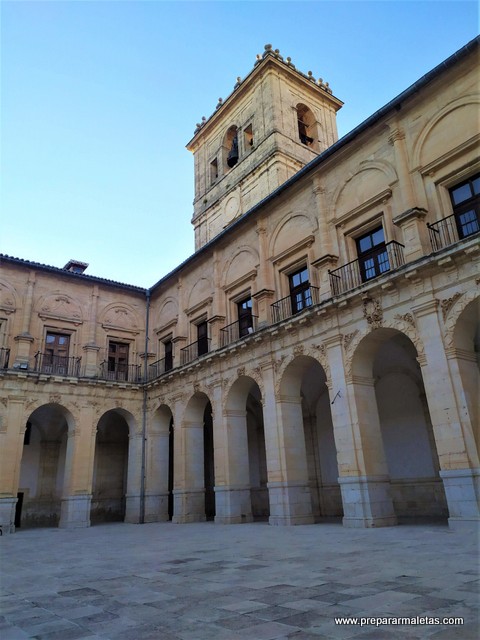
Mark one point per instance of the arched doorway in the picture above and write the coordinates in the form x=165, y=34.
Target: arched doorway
x=42, y=472
x=306, y=404
x=395, y=425
x=110, y=468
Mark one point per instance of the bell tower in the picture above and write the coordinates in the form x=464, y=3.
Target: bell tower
x=274, y=122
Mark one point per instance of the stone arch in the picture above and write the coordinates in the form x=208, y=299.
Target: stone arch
x=244, y=260
x=8, y=298
x=200, y=292
x=303, y=355
x=453, y=316
x=243, y=373
x=230, y=146
x=45, y=465
x=60, y=305
x=400, y=325
x=161, y=418
x=382, y=176
x=120, y=316
x=307, y=125
x=168, y=311
x=469, y=104
x=394, y=425
x=292, y=229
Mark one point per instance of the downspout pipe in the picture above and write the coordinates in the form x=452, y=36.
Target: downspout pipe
x=144, y=412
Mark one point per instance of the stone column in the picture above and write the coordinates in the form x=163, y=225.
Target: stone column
x=288, y=489
x=189, y=489
x=452, y=428
x=265, y=288
x=91, y=349
x=25, y=339
x=134, y=477
x=11, y=450
x=232, y=496
x=156, y=493
x=362, y=467
x=78, y=478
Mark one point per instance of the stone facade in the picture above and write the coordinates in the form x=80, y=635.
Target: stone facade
x=316, y=358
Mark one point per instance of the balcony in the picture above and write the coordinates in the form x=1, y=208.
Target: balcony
x=120, y=372
x=236, y=330
x=451, y=229
x=4, y=357
x=159, y=367
x=56, y=365
x=295, y=303
x=194, y=350
x=371, y=265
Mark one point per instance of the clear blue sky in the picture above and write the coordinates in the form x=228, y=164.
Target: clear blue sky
x=100, y=98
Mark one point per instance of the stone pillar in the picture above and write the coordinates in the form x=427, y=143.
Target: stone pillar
x=189, y=491
x=362, y=467
x=452, y=428
x=156, y=488
x=232, y=496
x=91, y=349
x=134, y=478
x=11, y=450
x=216, y=323
x=288, y=489
x=78, y=478
x=265, y=287
x=415, y=233
x=25, y=339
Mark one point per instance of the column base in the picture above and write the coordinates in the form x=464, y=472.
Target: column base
x=7, y=515
x=132, y=509
x=367, y=502
x=156, y=508
x=188, y=506
x=75, y=512
x=233, y=505
x=290, y=504
x=462, y=489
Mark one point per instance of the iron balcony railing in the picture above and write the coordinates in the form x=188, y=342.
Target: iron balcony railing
x=294, y=303
x=4, y=357
x=371, y=265
x=194, y=350
x=160, y=366
x=57, y=365
x=120, y=372
x=236, y=330
x=450, y=230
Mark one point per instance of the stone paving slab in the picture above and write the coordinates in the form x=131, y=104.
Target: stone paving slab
x=240, y=582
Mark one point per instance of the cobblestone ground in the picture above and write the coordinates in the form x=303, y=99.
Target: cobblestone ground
x=251, y=582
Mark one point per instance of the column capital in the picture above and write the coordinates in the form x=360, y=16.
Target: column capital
x=425, y=308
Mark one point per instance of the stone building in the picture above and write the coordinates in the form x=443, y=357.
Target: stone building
x=317, y=356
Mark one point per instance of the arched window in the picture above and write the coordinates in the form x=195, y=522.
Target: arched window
x=231, y=147
x=307, y=126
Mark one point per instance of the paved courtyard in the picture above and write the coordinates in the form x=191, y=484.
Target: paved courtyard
x=251, y=582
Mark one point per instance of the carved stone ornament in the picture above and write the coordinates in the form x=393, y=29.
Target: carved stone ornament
x=278, y=363
x=407, y=317
x=373, y=313
x=241, y=371
x=322, y=349
x=448, y=303
x=55, y=398
x=347, y=339
x=298, y=350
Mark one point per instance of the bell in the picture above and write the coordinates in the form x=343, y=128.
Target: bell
x=232, y=158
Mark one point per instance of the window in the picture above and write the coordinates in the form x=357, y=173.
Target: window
x=300, y=292
x=117, y=360
x=231, y=146
x=466, y=206
x=248, y=138
x=55, y=358
x=245, y=319
x=213, y=171
x=305, y=121
x=202, y=338
x=372, y=254
x=168, y=354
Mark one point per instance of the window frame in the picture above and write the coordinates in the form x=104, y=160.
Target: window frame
x=468, y=205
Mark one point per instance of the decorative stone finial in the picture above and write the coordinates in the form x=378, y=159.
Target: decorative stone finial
x=220, y=102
